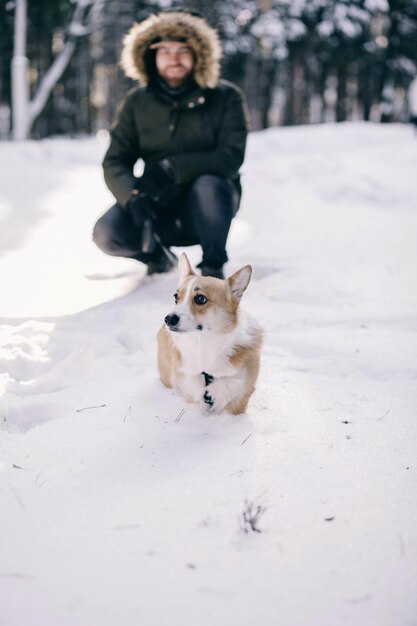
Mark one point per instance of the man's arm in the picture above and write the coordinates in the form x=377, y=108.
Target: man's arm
x=228, y=156
x=122, y=154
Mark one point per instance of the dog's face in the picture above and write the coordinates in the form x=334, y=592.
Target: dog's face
x=205, y=303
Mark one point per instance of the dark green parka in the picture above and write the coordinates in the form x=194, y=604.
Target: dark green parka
x=204, y=132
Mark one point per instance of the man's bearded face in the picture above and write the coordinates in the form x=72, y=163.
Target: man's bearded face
x=174, y=61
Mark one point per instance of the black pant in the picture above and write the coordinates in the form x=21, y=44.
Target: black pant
x=202, y=215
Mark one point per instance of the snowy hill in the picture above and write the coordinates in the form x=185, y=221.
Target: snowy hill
x=120, y=503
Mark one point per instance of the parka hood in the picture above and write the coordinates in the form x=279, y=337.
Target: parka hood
x=175, y=26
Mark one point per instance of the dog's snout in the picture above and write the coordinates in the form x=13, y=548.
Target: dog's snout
x=172, y=320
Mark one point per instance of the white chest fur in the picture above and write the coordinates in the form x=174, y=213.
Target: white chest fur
x=207, y=351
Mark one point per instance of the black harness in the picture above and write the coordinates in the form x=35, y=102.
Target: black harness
x=208, y=379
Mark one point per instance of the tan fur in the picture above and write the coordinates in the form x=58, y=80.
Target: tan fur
x=169, y=358
x=169, y=363
x=203, y=40
x=248, y=359
x=184, y=356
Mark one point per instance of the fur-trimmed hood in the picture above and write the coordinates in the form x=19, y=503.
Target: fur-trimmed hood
x=201, y=37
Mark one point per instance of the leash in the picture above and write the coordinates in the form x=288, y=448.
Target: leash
x=170, y=255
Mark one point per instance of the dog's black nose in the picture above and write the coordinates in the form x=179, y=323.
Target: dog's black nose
x=172, y=320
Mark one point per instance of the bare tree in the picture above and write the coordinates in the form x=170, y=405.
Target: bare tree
x=25, y=111
x=20, y=64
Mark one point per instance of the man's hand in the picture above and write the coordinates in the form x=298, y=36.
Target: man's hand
x=143, y=217
x=146, y=194
x=140, y=208
x=155, y=179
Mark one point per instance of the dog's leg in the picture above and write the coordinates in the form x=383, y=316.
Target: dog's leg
x=192, y=387
x=222, y=392
x=239, y=404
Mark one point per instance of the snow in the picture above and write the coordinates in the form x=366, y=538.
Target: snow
x=122, y=504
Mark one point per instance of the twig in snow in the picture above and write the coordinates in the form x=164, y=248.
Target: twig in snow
x=245, y=440
x=382, y=416
x=360, y=600
x=87, y=408
x=17, y=497
x=251, y=515
x=180, y=414
x=128, y=412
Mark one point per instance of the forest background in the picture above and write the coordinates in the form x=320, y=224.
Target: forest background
x=299, y=61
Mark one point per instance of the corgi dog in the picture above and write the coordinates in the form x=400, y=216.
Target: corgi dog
x=209, y=348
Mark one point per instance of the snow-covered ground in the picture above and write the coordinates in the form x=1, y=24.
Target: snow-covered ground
x=120, y=503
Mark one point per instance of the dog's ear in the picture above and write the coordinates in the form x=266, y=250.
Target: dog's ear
x=184, y=267
x=239, y=281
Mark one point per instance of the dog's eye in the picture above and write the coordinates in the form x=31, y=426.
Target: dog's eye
x=200, y=299
x=176, y=298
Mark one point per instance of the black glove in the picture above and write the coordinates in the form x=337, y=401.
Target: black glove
x=156, y=179
x=140, y=207
x=143, y=216
x=146, y=195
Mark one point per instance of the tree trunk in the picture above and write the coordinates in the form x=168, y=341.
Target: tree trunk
x=289, y=103
x=365, y=91
x=341, y=108
x=20, y=64
x=295, y=89
x=266, y=84
x=27, y=112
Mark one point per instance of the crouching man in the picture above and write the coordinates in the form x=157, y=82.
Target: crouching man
x=189, y=127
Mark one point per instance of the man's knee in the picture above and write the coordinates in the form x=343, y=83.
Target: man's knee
x=213, y=195
x=103, y=233
x=101, y=236
x=208, y=184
